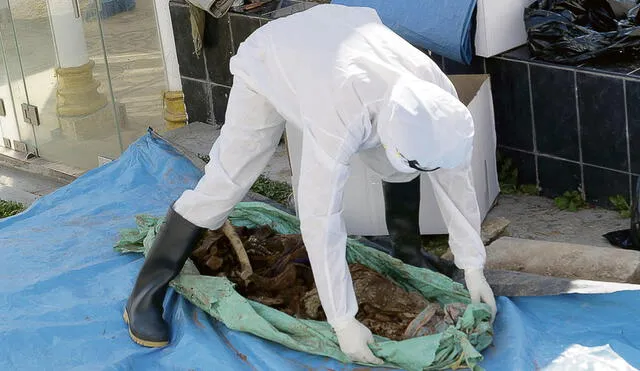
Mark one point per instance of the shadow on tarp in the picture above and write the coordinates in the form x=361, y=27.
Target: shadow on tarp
x=63, y=287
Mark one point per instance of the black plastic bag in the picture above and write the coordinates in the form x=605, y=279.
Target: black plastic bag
x=576, y=31
x=629, y=238
x=621, y=238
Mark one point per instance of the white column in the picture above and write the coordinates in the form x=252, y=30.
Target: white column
x=165, y=28
x=68, y=33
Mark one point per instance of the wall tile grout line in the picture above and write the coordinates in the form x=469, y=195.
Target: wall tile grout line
x=211, y=107
x=558, y=158
x=204, y=57
x=533, y=127
x=579, y=128
x=194, y=79
x=240, y=15
x=208, y=94
x=540, y=154
x=233, y=47
x=606, y=168
x=517, y=149
x=626, y=127
x=565, y=160
x=219, y=85
x=572, y=69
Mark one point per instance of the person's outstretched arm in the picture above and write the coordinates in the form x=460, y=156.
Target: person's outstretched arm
x=320, y=192
x=247, y=142
x=457, y=200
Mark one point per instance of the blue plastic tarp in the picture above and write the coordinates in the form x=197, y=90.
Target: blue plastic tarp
x=444, y=27
x=63, y=287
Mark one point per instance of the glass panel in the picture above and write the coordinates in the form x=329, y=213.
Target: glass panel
x=136, y=63
x=66, y=77
x=8, y=123
x=12, y=89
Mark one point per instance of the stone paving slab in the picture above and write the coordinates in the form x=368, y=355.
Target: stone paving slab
x=538, y=218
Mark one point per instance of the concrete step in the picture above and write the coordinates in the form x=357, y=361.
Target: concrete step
x=197, y=138
x=39, y=166
x=25, y=187
x=507, y=283
x=564, y=260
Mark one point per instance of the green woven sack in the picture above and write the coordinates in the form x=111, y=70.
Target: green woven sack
x=456, y=347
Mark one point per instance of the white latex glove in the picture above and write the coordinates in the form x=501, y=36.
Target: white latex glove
x=354, y=339
x=479, y=289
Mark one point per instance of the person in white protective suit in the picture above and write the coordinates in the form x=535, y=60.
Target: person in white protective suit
x=351, y=85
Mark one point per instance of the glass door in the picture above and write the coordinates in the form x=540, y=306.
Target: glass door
x=80, y=79
x=16, y=134
x=65, y=96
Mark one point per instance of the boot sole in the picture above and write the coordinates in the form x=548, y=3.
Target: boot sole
x=137, y=340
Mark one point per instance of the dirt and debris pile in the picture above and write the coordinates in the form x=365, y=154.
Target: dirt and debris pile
x=280, y=276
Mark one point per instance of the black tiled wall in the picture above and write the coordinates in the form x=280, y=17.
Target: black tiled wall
x=451, y=67
x=190, y=66
x=633, y=108
x=206, y=80
x=525, y=163
x=514, y=126
x=243, y=26
x=198, y=97
x=602, y=121
x=564, y=128
x=585, y=121
x=558, y=175
x=555, y=115
x=218, y=49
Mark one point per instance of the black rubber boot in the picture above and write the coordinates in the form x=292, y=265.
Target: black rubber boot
x=402, y=213
x=170, y=250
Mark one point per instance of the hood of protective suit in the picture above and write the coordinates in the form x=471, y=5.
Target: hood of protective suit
x=418, y=121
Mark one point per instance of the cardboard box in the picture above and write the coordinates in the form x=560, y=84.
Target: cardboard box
x=500, y=26
x=363, y=199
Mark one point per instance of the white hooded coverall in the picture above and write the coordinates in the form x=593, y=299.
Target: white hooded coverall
x=349, y=84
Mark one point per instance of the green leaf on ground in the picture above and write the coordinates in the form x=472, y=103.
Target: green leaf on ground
x=508, y=178
x=621, y=205
x=204, y=158
x=570, y=201
x=273, y=189
x=529, y=189
x=10, y=208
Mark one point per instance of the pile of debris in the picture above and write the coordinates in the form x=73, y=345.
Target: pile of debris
x=274, y=269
